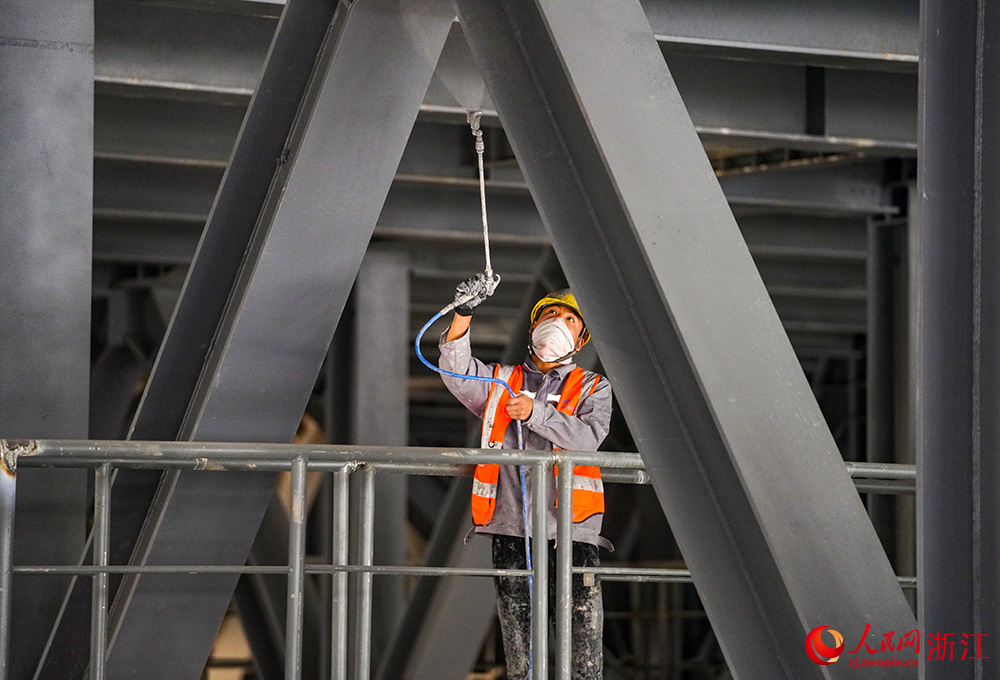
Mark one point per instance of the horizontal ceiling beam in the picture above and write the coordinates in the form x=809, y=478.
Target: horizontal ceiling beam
x=846, y=34
x=212, y=59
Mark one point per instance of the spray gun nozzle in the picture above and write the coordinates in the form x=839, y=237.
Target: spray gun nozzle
x=474, y=117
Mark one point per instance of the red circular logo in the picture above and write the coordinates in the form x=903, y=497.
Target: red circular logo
x=818, y=651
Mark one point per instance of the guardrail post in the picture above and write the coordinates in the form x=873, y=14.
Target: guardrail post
x=8, y=487
x=338, y=604
x=540, y=563
x=366, y=550
x=564, y=572
x=99, y=592
x=296, y=570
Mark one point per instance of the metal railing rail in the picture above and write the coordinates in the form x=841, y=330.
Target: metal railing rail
x=342, y=461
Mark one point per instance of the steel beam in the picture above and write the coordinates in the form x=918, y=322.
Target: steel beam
x=441, y=632
x=195, y=323
x=849, y=33
x=264, y=295
x=380, y=415
x=210, y=61
x=46, y=189
x=669, y=286
x=262, y=600
x=331, y=181
x=955, y=332
x=880, y=355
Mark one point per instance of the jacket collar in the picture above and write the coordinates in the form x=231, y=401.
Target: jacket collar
x=561, y=371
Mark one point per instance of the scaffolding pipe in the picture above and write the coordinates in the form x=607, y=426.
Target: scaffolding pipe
x=338, y=617
x=99, y=593
x=366, y=552
x=330, y=458
x=564, y=575
x=296, y=575
x=105, y=456
x=8, y=489
x=540, y=564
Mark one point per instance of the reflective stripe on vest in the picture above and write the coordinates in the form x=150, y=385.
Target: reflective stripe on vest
x=588, y=489
x=495, y=422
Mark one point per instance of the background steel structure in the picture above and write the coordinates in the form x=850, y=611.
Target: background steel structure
x=810, y=123
x=46, y=189
x=955, y=331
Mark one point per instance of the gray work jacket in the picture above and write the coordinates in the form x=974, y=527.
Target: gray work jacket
x=547, y=426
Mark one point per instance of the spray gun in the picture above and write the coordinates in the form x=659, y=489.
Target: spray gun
x=483, y=285
x=474, y=118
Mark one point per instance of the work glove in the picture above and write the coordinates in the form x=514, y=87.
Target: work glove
x=479, y=287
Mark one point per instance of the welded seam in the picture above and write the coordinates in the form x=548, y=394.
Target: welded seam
x=751, y=584
x=977, y=311
x=54, y=45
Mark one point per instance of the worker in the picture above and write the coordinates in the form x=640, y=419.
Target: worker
x=560, y=406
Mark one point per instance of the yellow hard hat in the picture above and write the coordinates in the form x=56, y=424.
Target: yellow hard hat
x=565, y=298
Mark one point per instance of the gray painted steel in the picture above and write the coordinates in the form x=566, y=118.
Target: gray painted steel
x=442, y=629
x=279, y=320
x=955, y=332
x=702, y=367
x=195, y=322
x=261, y=599
x=859, y=33
x=380, y=416
x=46, y=193
x=880, y=421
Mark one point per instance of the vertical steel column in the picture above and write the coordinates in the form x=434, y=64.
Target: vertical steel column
x=46, y=206
x=379, y=408
x=564, y=572
x=880, y=355
x=540, y=565
x=99, y=594
x=8, y=493
x=702, y=367
x=338, y=604
x=366, y=549
x=296, y=572
x=853, y=439
x=446, y=619
x=957, y=334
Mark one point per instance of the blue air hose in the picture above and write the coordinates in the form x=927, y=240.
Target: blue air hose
x=520, y=444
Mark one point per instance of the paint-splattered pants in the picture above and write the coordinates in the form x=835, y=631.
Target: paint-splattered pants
x=514, y=608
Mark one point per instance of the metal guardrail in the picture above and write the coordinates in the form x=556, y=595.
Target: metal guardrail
x=342, y=461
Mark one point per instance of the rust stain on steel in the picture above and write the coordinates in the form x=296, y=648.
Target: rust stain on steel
x=11, y=450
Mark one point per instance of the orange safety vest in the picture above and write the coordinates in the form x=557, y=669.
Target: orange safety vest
x=588, y=489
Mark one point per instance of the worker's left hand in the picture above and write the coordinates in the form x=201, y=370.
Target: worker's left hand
x=519, y=407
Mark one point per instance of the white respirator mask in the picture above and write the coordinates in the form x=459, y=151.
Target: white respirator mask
x=552, y=341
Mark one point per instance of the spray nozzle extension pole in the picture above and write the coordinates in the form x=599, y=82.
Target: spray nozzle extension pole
x=490, y=283
x=474, y=118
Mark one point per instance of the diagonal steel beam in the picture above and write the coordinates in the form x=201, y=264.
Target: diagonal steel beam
x=333, y=173
x=704, y=371
x=183, y=352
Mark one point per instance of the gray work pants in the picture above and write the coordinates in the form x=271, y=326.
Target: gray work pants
x=514, y=609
